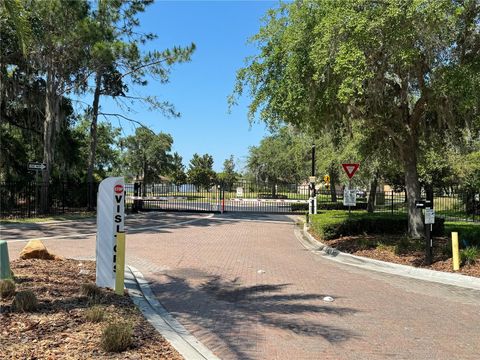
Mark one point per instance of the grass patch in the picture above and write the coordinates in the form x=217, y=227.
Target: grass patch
x=92, y=292
x=25, y=301
x=7, y=289
x=117, y=337
x=469, y=255
x=79, y=216
x=384, y=247
x=95, y=314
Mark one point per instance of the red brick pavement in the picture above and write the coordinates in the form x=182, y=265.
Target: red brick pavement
x=249, y=290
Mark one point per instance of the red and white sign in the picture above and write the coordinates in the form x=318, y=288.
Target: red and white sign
x=110, y=221
x=350, y=169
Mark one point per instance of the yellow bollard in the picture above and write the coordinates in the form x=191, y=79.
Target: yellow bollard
x=120, y=266
x=455, y=254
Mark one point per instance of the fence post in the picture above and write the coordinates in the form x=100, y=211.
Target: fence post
x=392, y=200
x=63, y=197
x=474, y=206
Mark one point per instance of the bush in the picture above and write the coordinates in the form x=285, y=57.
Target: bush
x=333, y=224
x=384, y=247
x=405, y=245
x=91, y=291
x=7, y=289
x=340, y=206
x=468, y=232
x=95, y=314
x=25, y=301
x=469, y=255
x=117, y=337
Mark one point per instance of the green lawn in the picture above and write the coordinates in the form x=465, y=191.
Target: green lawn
x=63, y=217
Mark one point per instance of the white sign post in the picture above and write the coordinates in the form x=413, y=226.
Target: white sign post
x=110, y=221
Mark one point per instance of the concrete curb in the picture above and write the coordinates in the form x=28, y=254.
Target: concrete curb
x=312, y=244
x=180, y=338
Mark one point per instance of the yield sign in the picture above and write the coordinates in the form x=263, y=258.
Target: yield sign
x=350, y=169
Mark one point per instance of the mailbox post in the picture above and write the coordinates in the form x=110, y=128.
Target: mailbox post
x=429, y=220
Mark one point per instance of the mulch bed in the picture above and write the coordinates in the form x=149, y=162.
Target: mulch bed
x=58, y=328
x=382, y=247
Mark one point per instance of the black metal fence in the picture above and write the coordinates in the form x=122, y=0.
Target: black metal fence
x=32, y=200
x=462, y=206
x=240, y=196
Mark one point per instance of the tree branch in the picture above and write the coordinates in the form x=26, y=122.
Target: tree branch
x=143, y=66
x=126, y=118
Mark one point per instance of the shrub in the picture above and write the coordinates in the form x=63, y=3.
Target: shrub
x=117, y=337
x=406, y=245
x=339, y=206
x=468, y=232
x=91, y=291
x=385, y=247
x=7, y=289
x=469, y=255
x=25, y=301
x=95, y=314
x=333, y=224
x=364, y=244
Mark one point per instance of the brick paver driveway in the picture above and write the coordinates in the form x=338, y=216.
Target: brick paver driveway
x=247, y=289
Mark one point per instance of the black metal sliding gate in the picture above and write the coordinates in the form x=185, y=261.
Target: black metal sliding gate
x=239, y=196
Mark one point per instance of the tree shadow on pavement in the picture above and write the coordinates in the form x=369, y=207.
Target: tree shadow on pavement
x=232, y=312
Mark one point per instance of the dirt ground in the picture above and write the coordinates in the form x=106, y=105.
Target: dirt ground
x=59, y=328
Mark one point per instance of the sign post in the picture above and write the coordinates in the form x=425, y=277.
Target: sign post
x=350, y=195
x=429, y=221
x=120, y=266
x=37, y=167
x=110, y=222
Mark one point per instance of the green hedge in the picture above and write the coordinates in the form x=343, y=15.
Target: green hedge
x=333, y=224
x=329, y=206
x=468, y=233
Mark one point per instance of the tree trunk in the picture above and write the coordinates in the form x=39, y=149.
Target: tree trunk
x=372, y=194
x=52, y=104
x=274, y=191
x=412, y=187
x=333, y=182
x=144, y=188
x=93, y=141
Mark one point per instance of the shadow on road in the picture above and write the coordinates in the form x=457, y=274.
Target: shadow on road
x=232, y=311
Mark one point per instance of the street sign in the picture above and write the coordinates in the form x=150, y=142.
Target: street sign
x=350, y=169
x=349, y=197
x=429, y=216
x=422, y=204
x=37, y=166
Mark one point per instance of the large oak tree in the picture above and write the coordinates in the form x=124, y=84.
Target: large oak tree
x=404, y=68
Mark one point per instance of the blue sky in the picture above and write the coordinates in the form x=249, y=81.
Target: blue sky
x=199, y=89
